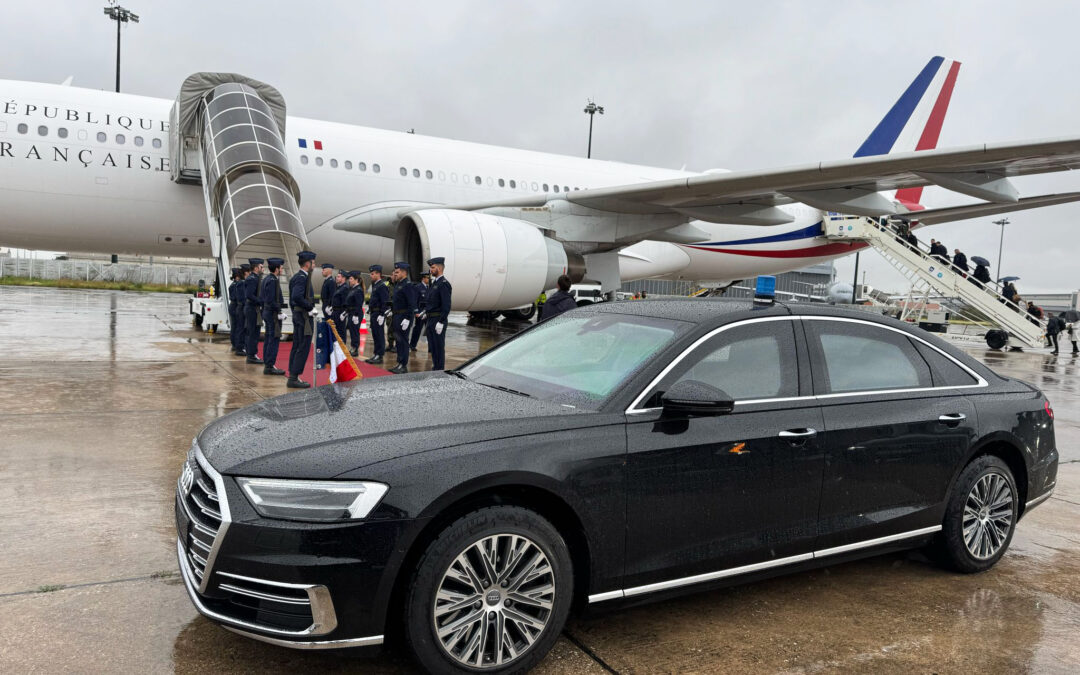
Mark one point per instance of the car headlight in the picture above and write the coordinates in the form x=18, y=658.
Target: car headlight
x=324, y=501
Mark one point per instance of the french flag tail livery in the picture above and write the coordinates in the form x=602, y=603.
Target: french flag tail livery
x=914, y=122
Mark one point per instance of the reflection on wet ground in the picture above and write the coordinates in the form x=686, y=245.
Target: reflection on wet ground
x=101, y=392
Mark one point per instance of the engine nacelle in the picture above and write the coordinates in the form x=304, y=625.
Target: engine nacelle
x=493, y=262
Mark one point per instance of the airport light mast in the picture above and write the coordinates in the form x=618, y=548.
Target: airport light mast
x=119, y=15
x=1001, y=240
x=592, y=109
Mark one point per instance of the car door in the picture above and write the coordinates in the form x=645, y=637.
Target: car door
x=711, y=495
x=893, y=437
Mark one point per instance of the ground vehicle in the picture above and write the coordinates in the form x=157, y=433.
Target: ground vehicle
x=617, y=451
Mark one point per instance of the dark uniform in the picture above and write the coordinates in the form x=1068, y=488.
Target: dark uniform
x=233, y=307
x=354, y=305
x=438, y=313
x=421, y=303
x=272, y=304
x=302, y=301
x=326, y=295
x=405, y=310
x=252, y=304
x=338, y=311
x=240, y=327
x=378, y=304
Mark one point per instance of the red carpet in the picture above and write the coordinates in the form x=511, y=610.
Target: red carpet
x=323, y=376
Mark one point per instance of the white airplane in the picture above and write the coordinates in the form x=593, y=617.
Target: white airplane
x=87, y=170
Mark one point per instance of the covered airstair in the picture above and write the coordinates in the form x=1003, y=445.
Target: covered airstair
x=1010, y=325
x=227, y=134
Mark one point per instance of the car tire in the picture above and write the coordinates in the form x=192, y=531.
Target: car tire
x=454, y=555
x=980, y=517
x=520, y=314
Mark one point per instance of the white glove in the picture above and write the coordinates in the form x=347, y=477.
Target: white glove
x=438, y=329
x=282, y=315
x=313, y=313
x=356, y=321
x=328, y=311
x=404, y=324
x=381, y=319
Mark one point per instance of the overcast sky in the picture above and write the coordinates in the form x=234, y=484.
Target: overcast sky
x=701, y=84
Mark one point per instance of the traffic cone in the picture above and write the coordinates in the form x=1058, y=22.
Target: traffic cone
x=363, y=325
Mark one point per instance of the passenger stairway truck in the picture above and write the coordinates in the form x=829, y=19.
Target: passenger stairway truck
x=227, y=134
x=1012, y=325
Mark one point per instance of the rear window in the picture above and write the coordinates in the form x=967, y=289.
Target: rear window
x=863, y=357
x=945, y=371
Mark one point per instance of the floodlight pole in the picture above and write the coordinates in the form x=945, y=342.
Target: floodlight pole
x=1001, y=240
x=591, y=109
x=855, y=286
x=119, y=15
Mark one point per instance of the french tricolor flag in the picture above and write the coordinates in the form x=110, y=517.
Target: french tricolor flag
x=304, y=143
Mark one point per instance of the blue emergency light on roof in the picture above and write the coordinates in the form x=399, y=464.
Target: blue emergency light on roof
x=765, y=290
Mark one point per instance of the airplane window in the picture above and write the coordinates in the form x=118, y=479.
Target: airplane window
x=318, y=161
x=556, y=188
x=464, y=178
x=442, y=176
x=490, y=181
x=513, y=183
x=82, y=134
x=62, y=132
x=303, y=159
x=100, y=136
x=479, y=181
x=43, y=131
x=361, y=166
x=564, y=189
x=428, y=174
x=545, y=187
x=348, y=165
x=416, y=173
x=403, y=171
x=453, y=177
x=534, y=187
x=376, y=168
x=333, y=163
x=156, y=142
x=120, y=139
x=23, y=128
x=502, y=183
x=139, y=141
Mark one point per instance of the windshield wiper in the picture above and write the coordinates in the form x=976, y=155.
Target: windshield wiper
x=506, y=389
x=457, y=373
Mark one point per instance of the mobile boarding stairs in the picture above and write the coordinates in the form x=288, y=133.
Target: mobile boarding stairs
x=1011, y=325
x=227, y=134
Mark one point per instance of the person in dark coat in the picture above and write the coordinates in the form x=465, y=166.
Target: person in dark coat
x=326, y=293
x=421, y=302
x=378, y=306
x=252, y=308
x=405, y=312
x=233, y=306
x=1054, y=326
x=1008, y=290
x=338, y=311
x=960, y=260
x=354, y=306
x=273, y=313
x=240, y=326
x=981, y=275
x=302, y=303
x=438, y=312
x=560, y=301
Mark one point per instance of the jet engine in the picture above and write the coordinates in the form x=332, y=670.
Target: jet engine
x=493, y=262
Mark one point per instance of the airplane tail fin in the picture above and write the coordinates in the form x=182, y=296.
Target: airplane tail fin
x=914, y=121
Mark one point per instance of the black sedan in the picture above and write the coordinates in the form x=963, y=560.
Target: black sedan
x=620, y=452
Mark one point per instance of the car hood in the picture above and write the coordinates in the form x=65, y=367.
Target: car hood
x=325, y=431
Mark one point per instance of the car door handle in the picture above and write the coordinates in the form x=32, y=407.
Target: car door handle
x=798, y=434
x=954, y=418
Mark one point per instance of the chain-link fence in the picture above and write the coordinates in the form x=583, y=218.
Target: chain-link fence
x=94, y=270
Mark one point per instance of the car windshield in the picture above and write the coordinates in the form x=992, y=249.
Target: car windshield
x=575, y=359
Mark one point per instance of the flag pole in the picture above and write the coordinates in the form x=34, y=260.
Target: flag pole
x=344, y=349
x=314, y=352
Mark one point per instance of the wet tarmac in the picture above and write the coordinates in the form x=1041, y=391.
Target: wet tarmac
x=101, y=393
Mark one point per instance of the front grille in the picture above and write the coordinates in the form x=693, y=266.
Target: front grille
x=202, y=506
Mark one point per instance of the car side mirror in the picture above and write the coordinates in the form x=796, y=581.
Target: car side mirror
x=691, y=397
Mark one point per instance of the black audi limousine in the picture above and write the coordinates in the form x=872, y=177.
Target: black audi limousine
x=617, y=453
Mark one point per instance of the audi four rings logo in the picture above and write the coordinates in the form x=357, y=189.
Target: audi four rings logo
x=187, y=477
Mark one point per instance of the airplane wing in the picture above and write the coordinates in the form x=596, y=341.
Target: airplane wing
x=953, y=213
x=848, y=186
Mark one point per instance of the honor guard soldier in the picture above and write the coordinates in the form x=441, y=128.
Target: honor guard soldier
x=438, y=312
x=234, y=275
x=378, y=305
x=302, y=302
x=338, y=311
x=404, y=313
x=354, y=303
x=252, y=303
x=326, y=295
x=421, y=303
x=240, y=327
x=273, y=313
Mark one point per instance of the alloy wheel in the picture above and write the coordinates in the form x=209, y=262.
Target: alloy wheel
x=988, y=516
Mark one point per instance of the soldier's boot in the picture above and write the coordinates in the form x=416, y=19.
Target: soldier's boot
x=296, y=383
x=255, y=360
x=374, y=360
x=399, y=369
x=271, y=370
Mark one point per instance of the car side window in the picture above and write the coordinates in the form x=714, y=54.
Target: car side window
x=862, y=357
x=945, y=371
x=747, y=362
